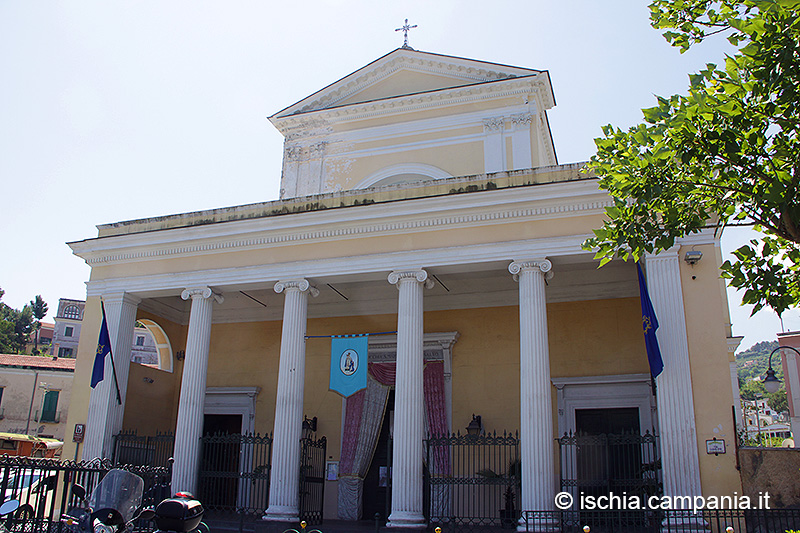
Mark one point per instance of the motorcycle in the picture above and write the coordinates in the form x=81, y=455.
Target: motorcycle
x=8, y=507
x=116, y=502
x=112, y=508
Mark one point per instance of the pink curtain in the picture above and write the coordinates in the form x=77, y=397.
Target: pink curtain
x=436, y=411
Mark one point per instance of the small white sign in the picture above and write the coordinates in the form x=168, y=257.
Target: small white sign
x=332, y=470
x=715, y=446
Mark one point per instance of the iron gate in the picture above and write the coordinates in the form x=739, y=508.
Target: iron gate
x=234, y=472
x=133, y=449
x=312, y=479
x=473, y=481
x=625, y=465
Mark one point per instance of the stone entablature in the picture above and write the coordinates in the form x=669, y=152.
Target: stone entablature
x=352, y=198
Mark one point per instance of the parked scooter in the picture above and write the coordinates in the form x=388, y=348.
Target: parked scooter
x=112, y=508
x=181, y=514
x=116, y=503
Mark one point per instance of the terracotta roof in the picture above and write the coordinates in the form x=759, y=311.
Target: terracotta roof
x=39, y=362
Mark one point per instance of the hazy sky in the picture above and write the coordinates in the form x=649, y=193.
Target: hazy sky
x=114, y=110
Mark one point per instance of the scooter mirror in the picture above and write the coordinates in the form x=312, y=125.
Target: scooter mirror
x=9, y=507
x=147, y=514
x=79, y=491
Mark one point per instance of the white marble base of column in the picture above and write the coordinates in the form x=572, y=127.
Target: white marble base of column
x=407, y=520
x=281, y=513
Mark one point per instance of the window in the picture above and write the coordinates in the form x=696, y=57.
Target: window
x=72, y=311
x=68, y=331
x=65, y=352
x=49, y=406
x=140, y=340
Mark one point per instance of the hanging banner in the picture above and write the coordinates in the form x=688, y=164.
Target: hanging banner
x=348, y=364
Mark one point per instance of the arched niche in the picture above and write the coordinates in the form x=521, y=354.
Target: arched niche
x=163, y=346
x=403, y=173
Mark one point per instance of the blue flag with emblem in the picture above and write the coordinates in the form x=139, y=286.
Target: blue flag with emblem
x=103, y=349
x=649, y=326
x=348, y=364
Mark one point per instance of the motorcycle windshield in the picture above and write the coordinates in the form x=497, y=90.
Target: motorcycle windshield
x=120, y=490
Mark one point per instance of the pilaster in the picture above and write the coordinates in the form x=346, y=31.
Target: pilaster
x=679, y=456
x=104, y=418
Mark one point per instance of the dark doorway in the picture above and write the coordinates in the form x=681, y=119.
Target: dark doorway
x=377, y=480
x=219, y=462
x=609, y=459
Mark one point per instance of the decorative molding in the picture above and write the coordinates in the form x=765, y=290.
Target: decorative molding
x=417, y=102
x=522, y=120
x=201, y=292
x=493, y=124
x=470, y=71
x=301, y=285
x=299, y=152
x=543, y=266
x=420, y=276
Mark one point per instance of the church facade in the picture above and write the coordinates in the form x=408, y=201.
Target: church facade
x=422, y=202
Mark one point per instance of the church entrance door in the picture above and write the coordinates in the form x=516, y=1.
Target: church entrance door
x=377, y=495
x=220, y=454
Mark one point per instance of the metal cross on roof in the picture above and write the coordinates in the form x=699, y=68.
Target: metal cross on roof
x=405, y=29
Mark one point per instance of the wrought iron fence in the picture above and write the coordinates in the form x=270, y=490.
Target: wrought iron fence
x=133, y=449
x=312, y=479
x=43, y=488
x=473, y=481
x=234, y=473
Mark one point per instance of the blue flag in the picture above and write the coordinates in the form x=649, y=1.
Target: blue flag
x=349, y=364
x=649, y=326
x=103, y=349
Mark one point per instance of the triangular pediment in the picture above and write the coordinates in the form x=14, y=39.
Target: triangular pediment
x=404, y=72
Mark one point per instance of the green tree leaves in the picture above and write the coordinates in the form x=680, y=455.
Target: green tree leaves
x=726, y=152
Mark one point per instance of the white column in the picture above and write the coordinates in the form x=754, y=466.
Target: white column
x=680, y=464
x=189, y=426
x=285, y=474
x=407, y=453
x=536, y=409
x=104, y=419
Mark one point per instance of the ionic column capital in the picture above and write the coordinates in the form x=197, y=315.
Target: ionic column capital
x=301, y=285
x=201, y=292
x=538, y=266
x=420, y=276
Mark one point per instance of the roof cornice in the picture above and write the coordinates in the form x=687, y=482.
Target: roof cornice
x=547, y=200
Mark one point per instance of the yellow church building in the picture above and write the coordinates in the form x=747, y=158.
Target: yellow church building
x=422, y=203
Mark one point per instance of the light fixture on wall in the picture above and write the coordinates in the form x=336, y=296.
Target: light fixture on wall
x=309, y=424
x=475, y=426
x=771, y=381
x=180, y=355
x=148, y=380
x=693, y=257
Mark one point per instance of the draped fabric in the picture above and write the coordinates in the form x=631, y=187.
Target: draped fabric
x=364, y=413
x=436, y=413
x=361, y=430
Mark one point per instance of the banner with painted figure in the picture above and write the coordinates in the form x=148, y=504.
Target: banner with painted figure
x=348, y=364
